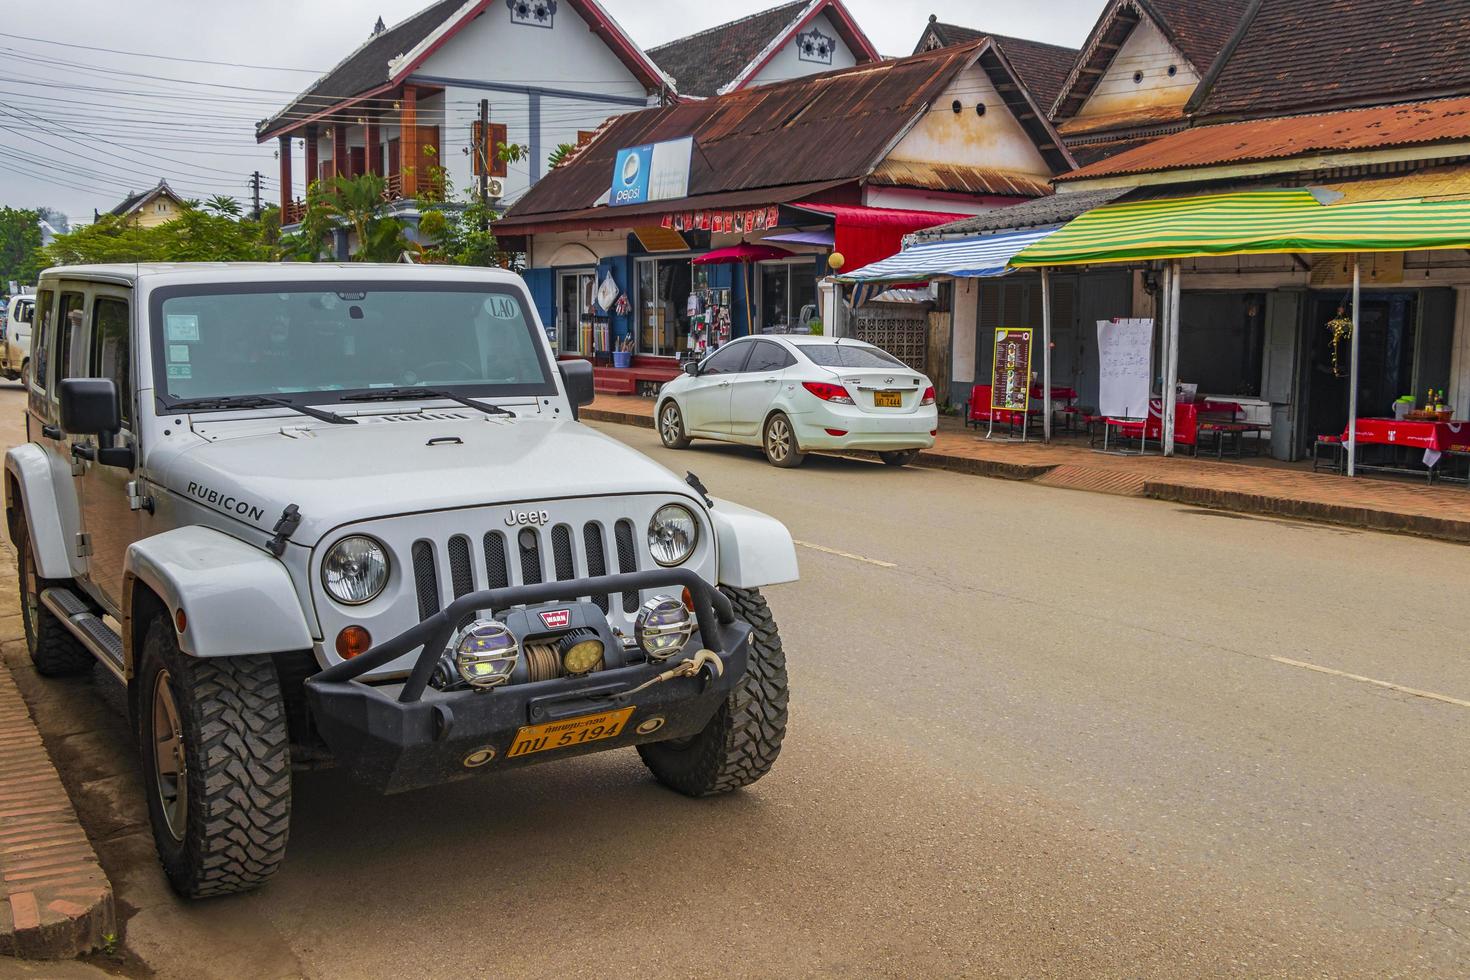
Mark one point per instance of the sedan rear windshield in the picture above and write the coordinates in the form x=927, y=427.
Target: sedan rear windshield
x=849, y=356
x=326, y=339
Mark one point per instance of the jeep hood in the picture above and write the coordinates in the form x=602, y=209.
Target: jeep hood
x=341, y=474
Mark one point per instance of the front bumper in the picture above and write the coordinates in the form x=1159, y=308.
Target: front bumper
x=406, y=735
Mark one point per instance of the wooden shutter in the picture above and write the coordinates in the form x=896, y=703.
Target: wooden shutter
x=489, y=149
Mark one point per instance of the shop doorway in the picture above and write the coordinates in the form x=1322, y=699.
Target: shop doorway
x=575, y=308
x=664, y=310
x=1387, y=347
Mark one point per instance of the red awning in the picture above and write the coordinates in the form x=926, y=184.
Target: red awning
x=866, y=235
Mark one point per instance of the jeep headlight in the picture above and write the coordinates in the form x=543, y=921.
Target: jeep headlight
x=355, y=570
x=672, y=534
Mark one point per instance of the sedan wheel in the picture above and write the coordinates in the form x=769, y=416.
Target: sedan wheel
x=671, y=426
x=780, y=443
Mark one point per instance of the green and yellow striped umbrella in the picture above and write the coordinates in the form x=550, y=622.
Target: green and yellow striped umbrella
x=1250, y=223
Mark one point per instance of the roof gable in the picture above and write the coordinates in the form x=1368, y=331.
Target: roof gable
x=834, y=127
x=1043, y=67
x=1376, y=52
x=134, y=202
x=725, y=58
x=388, y=56
x=1198, y=29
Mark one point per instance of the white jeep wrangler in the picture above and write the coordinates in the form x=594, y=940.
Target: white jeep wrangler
x=317, y=514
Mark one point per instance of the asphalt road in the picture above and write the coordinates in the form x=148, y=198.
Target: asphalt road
x=1032, y=732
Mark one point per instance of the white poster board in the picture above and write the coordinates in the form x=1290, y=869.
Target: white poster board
x=1125, y=367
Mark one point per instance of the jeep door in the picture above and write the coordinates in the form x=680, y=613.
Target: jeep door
x=707, y=399
x=64, y=304
x=105, y=351
x=754, y=389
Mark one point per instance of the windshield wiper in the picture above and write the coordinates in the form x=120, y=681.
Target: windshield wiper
x=425, y=394
x=260, y=401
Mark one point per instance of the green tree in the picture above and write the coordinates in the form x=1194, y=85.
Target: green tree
x=559, y=155
x=197, y=235
x=359, y=203
x=20, y=246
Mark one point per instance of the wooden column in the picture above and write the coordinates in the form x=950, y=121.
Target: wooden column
x=311, y=161
x=284, y=142
x=373, y=151
x=341, y=166
x=408, y=141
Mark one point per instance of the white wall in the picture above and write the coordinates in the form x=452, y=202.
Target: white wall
x=570, y=248
x=567, y=57
x=966, y=322
x=787, y=62
x=995, y=140
x=1148, y=51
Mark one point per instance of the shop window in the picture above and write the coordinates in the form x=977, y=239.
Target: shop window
x=788, y=295
x=1221, y=340
x=669, y=299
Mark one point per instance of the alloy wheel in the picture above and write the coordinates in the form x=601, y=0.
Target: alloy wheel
x=170, y=767
x=668, y=424
x=778, y=440
x=32, y=605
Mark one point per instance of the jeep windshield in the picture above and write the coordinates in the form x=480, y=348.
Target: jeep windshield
x=334, y=343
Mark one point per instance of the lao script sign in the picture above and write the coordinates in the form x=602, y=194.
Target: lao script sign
x=1125, y=367
x=1010, y=379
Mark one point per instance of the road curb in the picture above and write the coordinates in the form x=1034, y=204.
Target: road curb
x=55, y=901
x=1239, y=501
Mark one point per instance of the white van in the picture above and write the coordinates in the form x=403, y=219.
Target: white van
x=15, y=337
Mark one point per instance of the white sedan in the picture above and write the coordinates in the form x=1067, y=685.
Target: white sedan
x=793, y=394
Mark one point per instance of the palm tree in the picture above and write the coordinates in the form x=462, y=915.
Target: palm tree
x=223, y=204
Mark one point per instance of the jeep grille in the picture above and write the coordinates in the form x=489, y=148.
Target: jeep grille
x=568, y=561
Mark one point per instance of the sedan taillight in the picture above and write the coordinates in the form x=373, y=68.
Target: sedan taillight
x=836, y=394
x=928, y=398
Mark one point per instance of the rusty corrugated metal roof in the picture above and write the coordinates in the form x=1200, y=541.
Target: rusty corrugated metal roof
x=1291, y=136
x=953, y=177
x=826, y=129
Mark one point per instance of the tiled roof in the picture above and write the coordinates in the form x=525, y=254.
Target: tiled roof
x=1284, y=137
x=1300, y=55
x=832, y=127
x=701, y=63
x=1051, y=210
x=367, y=67
x=1200, y=29
x=1043, y=67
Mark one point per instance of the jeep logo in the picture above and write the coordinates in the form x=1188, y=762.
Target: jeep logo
x=516, y=518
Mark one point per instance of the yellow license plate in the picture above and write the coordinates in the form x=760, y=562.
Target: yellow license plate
x=568, y=732
x=888, y=399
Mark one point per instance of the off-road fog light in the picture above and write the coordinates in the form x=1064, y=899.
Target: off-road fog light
x=663, y=626
x=581, y=652
x=485, y=653
x=355, y=570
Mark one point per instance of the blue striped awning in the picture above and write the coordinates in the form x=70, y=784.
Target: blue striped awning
x=961, y=258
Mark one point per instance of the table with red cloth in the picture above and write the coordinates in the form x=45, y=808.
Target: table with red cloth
x=1435, y=438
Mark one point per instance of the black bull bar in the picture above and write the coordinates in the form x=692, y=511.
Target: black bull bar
x=711, y=610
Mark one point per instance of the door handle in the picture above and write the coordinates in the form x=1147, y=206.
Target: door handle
x=51, y=431
x=773, y=381
x=80, y=451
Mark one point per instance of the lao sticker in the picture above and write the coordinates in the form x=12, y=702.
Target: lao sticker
x=183, y=328
x=182, y=372
x=178, y=353
x=556, y=619
x=503, y=308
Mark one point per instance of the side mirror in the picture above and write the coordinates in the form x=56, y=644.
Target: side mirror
x=576, y=377
x=691, y=368
x=89, y=406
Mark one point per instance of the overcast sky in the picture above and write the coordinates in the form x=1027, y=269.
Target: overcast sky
x=80, y=128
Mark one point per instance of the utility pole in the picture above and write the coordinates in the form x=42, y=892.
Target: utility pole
x=255, y=180
x=484, y=150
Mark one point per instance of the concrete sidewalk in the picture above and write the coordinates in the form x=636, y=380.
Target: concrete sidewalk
x=55, y=900
x=1384, y=505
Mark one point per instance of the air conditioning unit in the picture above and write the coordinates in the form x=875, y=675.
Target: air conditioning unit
x=494, y=187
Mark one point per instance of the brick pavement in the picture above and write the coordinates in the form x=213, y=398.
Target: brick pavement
x=55, y=900
x=1263, y=487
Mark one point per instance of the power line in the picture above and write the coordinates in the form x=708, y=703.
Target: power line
x=160, y=57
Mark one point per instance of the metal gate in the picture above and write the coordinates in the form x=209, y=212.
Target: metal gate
x=900, y=329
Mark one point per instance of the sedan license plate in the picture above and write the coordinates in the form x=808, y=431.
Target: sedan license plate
x=888, y=399
x=568, y=732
